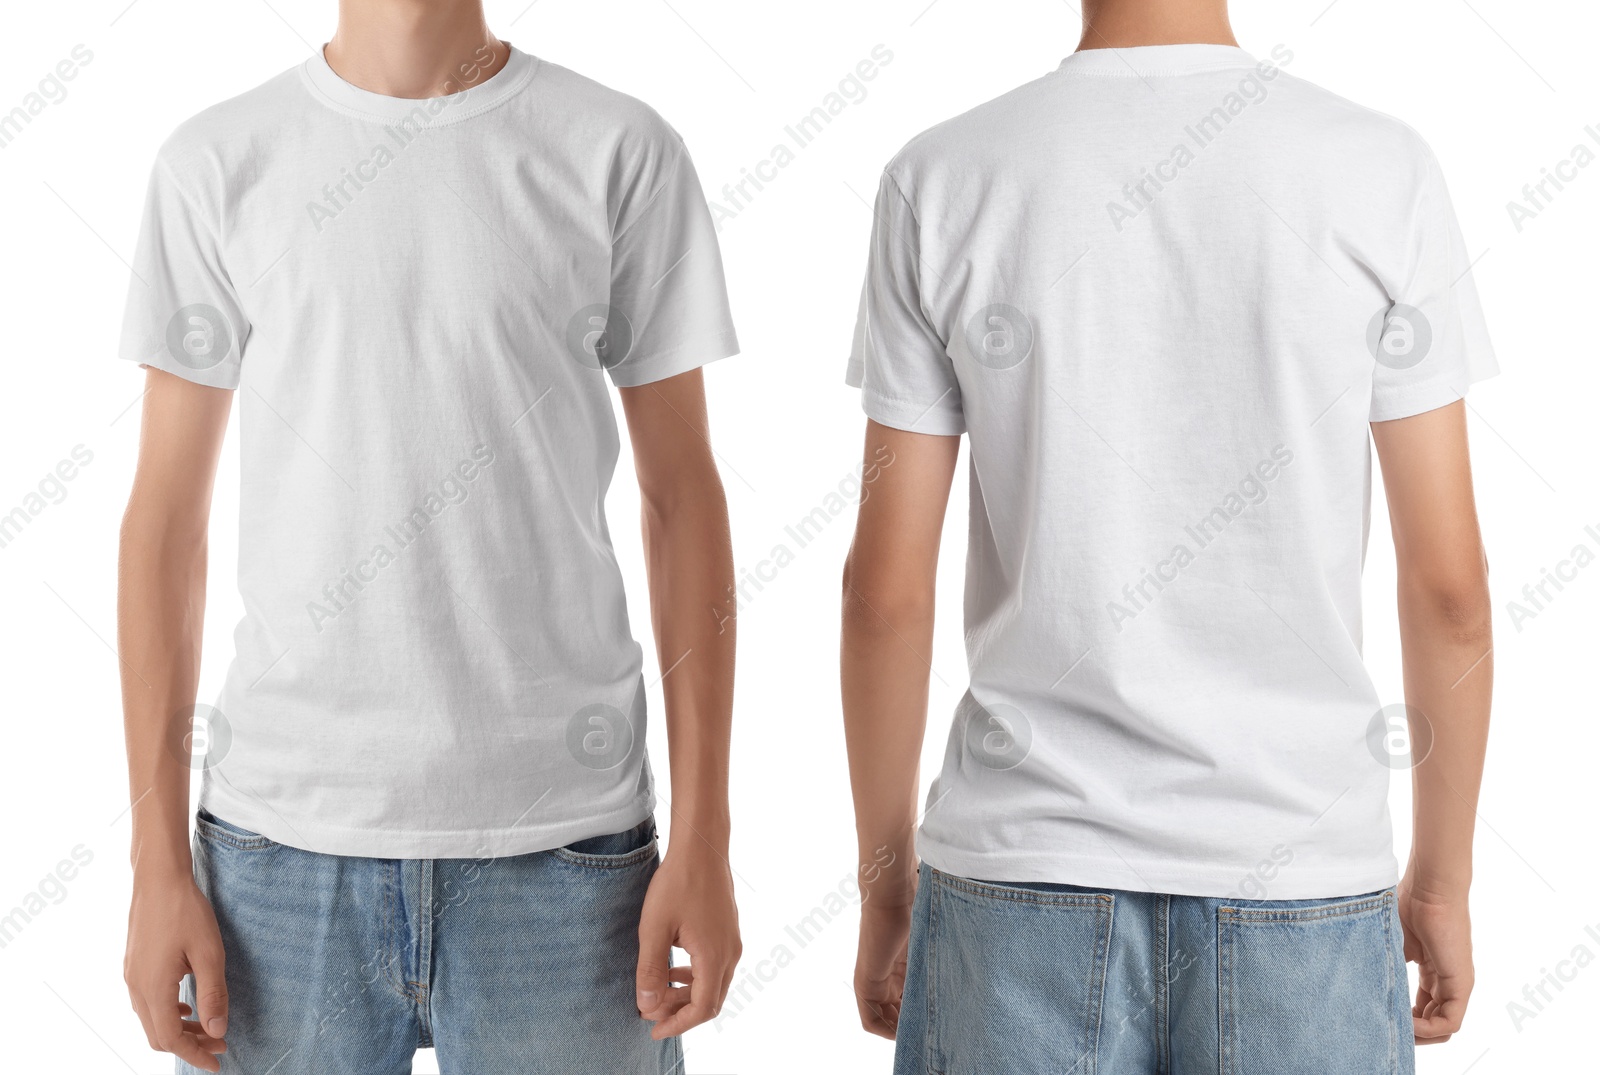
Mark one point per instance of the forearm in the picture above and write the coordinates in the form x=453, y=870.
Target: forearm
x=1447, y=645
x=160, y=609
x=690, y=560
x=884, y=668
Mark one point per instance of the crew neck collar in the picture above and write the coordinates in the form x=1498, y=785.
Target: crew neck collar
x=340, y=95
x=1146, y=60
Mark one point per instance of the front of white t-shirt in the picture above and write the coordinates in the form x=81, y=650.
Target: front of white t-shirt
x=420, y=303
x=1164, y=291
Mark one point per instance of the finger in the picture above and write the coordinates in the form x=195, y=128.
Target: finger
x=677, y=994
x=670, y=1003
x=167, y=1034
x=655, y=965
x=685, y=1018
x=1436, y=1025
x=190, y=1052
x=705, y=999
x=140, y=1009
x=878, y=1017
x=204, y=1040
x=210, y=986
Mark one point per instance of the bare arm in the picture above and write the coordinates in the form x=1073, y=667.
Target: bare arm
x=885, y=657
x=1446, y=641
x=161, y=596
x=689, y=557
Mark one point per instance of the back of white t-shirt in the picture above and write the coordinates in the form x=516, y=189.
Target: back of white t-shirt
x=1164, y=291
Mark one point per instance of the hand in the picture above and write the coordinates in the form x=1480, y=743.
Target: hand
x=881, y=963
x=690, y=905
x=1438, y=938
x=172, y=932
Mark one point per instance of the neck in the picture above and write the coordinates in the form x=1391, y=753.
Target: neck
x=414, y=48
x=1121, y=24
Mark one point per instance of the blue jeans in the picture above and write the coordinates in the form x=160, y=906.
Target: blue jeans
x=1007, y=979
x=346, y=966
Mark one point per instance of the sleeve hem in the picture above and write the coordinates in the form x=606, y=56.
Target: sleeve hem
x=1404, y=401
x=223, y=375
x=632, y=373
x=935, y=419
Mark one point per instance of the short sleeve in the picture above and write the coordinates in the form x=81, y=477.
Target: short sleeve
x=898, y=359
x=1431, y=343
x=183, y=314
x=667, y=287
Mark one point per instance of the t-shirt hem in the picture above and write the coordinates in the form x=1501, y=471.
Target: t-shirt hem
x=314, y=836
x=1171, y=878
x=681, y=359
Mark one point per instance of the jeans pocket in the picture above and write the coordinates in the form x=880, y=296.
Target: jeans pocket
x=216, y=831
x=1313, y=986
x=1016, y=978
x=613, y=850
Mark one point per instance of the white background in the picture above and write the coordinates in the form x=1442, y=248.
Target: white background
x=1501, y=88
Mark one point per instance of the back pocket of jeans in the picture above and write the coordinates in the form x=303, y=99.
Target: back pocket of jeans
x=1310, y=989
x=1016, y=978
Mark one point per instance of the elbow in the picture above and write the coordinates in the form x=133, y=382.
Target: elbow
x=154, y=533
x=690, y=496
x=1455, y=603
x=878, y=599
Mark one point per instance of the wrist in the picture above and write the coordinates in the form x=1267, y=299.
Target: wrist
x=698, y=837
x=1433, y=884
x=162, y=872
x=888, y=874
x=161, y=858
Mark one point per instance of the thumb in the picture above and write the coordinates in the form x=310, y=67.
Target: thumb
x=655, y=961
x=210, y=989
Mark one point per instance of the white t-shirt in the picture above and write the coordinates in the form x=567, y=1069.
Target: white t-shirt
x=420, y=302
x=1164, y=290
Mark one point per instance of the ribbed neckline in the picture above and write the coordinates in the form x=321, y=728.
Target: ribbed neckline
x=341, y=96
x=1153, y=60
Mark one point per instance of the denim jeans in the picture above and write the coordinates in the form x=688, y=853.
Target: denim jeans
x=1008, y=979
x=346, y=966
